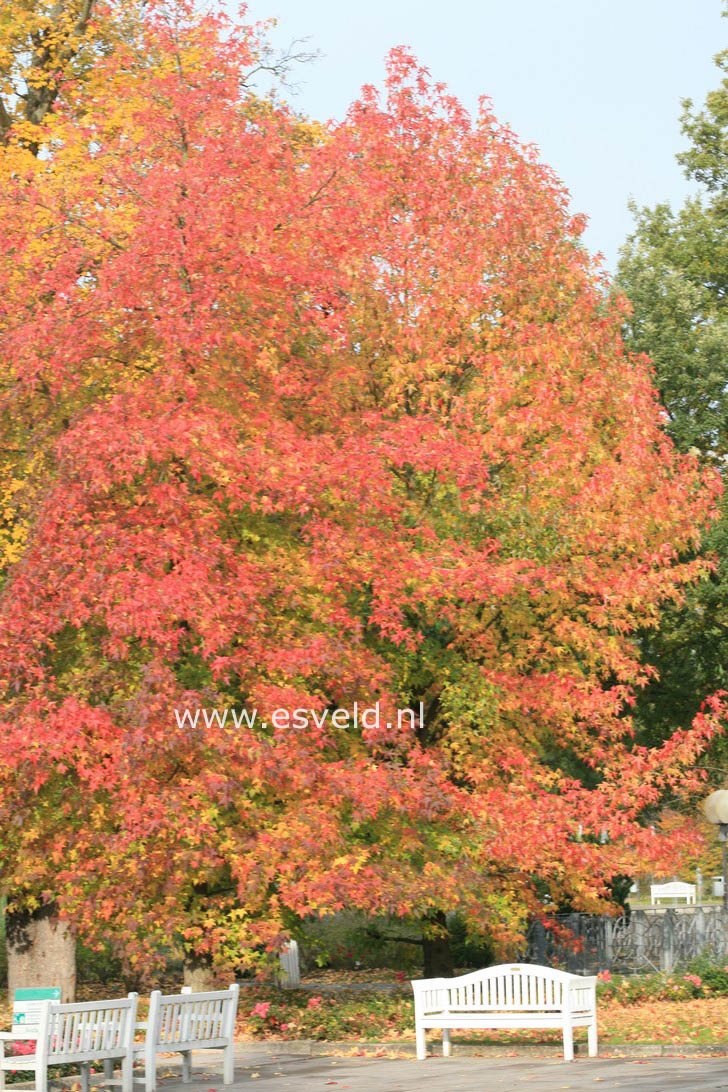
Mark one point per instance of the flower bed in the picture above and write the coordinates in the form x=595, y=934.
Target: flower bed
x=390, y=1019
x=298, y=1014
x=699, y=979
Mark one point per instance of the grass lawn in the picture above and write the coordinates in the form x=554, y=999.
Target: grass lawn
x=701, y=1020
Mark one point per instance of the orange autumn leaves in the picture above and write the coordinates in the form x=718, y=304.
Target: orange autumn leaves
x=320, y=416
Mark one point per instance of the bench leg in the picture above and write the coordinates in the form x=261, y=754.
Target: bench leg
x=84, y=1068
x=127, y=1073
x=446, y=1044
x=228, y=1065
x=186, y=1066
x=108, y=1069
x=593, y=1041
x=41, y=1078
x=150, y=1066
x=421, y=1044
x=568, y=1042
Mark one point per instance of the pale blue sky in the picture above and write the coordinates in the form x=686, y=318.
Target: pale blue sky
x=596, y=84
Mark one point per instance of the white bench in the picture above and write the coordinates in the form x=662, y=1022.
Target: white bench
x=79, y=1035
x=674, y=890
x=513, y=995
x=183, y=1022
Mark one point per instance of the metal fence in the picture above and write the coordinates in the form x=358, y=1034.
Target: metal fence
x=644, y=940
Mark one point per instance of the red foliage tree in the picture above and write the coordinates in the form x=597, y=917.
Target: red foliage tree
x=333, y=415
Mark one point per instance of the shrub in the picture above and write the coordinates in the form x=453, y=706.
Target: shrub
x=713, y=976
x=295, y=1014
x=698, y=978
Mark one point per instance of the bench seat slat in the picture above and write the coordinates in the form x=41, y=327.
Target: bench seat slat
x=494, y=1020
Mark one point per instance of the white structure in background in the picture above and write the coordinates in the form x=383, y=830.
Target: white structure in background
x=673, y=891
x=290, y=970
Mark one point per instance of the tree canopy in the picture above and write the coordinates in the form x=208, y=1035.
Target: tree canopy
x=299, y=416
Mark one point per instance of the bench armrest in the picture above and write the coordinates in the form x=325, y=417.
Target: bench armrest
x=10, y=1036
x=430, y=994
x=581, y=994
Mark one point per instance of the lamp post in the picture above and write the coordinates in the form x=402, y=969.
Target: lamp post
x=715, y=809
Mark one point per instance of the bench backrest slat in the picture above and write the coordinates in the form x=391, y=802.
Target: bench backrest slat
x=512, y=989
x=522, y=987
x=85, y=1028
x=79, y=1031
x=193, y=1017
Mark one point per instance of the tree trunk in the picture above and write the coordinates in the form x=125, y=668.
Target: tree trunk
x=41, y=951
x=436, y=947
x=198, y=974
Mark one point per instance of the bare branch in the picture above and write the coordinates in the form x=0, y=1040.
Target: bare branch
x=279, y=63
x=320, y=191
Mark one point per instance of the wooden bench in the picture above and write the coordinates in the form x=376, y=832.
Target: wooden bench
x=78, y=1034
x=674, y=890
x=513, y=995
x=183, y=1022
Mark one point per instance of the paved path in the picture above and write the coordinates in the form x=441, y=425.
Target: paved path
x=268, y=1072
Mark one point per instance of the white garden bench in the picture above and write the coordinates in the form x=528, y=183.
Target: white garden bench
x=77, y=1034
x=674, y=890
x=183, y=1022
x=513, y=995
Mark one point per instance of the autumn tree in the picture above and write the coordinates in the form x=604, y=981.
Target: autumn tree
x=344, y=417
x=45, y=49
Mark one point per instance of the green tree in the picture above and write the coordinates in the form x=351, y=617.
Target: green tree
x=674, y=269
